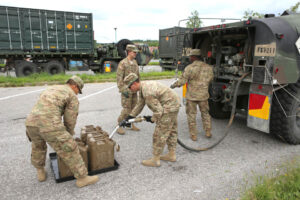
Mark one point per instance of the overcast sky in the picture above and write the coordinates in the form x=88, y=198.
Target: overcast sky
x=142, y=19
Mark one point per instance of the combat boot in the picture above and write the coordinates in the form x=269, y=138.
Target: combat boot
x=121, y=131
x=152, y=162
x=208, y=134
x=193, y=137
x=41, y=174
x=87, y=180
x=134, y=128
x=171, y=156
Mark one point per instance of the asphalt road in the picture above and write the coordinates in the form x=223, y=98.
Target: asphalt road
x=220, y=173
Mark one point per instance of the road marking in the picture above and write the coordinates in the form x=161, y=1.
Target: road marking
x=16, y=95
x=82, y=98
x=101, y=91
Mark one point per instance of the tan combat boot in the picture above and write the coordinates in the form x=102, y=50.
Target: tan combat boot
x=87, y=180
x=171, y=156
x=152, y=162
x=41, y=174
x=208, y=134
x=121, y=131
x=134, y=128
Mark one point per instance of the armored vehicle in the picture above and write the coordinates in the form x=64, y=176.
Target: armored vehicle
x=170, y=47
x=34, y=40
x=264, y=54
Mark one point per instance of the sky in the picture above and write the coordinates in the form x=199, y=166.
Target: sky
x=137, y=19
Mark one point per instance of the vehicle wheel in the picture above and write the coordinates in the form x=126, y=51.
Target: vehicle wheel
x=286, y=128
x=215, y=110
x=54, y=67
x=121, y=47
x=25, y=68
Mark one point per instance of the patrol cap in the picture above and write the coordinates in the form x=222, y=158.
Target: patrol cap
x=195, y=52
x=130, y=79
x=131, y=47
x=78, y=81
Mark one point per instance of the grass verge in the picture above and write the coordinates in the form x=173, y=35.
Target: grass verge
x=153, y=63
x=42, y=79
x=285, y=185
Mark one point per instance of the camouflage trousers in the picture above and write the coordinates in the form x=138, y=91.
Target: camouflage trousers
x=127, y=105
x=165, y=132
x=64, y=145
x=191, y=111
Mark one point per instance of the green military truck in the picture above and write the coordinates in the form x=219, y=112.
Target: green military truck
x=34, y=40
x=263, y=55
x=171, y=41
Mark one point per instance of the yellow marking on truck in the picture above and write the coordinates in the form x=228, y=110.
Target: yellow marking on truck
x=37, y=47
x=52, y=47
x=69, y=26
x=262, y=113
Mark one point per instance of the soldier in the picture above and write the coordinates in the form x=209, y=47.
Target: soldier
x=128, y=99
x=165, y=105
x=44, y=124
x=197, y=75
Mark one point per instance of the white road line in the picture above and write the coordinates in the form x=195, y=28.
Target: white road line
x=8, y=97
x=90, y=95
x=82, y=98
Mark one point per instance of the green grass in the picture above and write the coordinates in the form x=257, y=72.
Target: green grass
x=41, y=79
x=285, y=185
x=2, y=65
x=153, y=63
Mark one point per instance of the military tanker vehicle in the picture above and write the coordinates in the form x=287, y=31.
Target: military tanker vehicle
x=265, y=55
x=35, y=40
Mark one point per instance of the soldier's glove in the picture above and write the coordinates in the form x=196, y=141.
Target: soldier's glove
x=172, y=86
x=125, y=123
x=129, y=117
x=125, y=94
x=148, y=119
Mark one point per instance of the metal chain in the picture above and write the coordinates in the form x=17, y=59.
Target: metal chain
x=281, y=87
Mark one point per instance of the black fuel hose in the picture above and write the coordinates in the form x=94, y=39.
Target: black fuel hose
x=232, y=115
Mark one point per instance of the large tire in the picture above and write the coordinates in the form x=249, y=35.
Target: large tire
x=25, y=68
x=286, y=128
x=215, y=110
x=54, y=67
x=121, y=47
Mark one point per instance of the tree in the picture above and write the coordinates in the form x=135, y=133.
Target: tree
x=295, y=7
x=252, y=14
x=194, y=20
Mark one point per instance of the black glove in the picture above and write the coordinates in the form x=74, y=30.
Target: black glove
x=129, y=117
x=148, y=119
x=125, y=123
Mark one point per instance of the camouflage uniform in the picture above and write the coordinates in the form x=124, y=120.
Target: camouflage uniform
x=44, y=124
x=197, y=76
x=165, y=104
x=126, y=67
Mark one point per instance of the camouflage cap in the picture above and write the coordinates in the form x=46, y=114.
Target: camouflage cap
x=195, y=52
x=130, y=79
x=79, y=82
x=131, y=47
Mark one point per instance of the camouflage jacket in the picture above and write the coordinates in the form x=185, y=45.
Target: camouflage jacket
x=158, y=97
x=197, y=75
x=125, y=67
x=53, y=103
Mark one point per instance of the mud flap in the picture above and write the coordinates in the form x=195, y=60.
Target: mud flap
x=259, y=107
